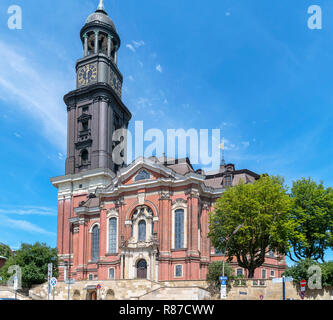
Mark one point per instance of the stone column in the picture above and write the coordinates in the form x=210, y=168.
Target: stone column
x=109, y=45
x=102, y=234
x=85, y=37
x=115, y=56
x=103, y=138
x=121, y=266
x=96, y=41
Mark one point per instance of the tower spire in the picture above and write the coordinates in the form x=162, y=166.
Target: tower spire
x=100, y=7
x=222, y=148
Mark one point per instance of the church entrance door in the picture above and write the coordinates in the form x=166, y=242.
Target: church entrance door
x=142, y=269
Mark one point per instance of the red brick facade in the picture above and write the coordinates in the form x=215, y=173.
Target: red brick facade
x=159, y=196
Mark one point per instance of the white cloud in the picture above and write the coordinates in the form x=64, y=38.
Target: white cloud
x=138, y=44
x=26, y=226
x=131, y=78
x=159, y=68
x=17, y=135
x=60, y=156
x=36, y=91
x=28, y=210
x=129, y=46
x=227, y=13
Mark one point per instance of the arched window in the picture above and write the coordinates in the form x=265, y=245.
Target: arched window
x=179, y=229
x=113, y=235
x=95, y=244
x=142, y=230
x=142, y=175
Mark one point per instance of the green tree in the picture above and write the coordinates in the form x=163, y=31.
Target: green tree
x=312, y=210
x=33, y=260
x=5, y=251
x=300, y=271
x=262, y=210
x=215, y=271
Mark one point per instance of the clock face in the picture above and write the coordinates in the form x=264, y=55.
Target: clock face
x=87, y=74
x=115, y=83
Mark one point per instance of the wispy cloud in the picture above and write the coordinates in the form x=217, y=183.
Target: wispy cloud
x=159, y=68
x=138, y=44
x=129, y=46
x=25, y=226
x=28, y=210
x=35, y=90
x=135, y=45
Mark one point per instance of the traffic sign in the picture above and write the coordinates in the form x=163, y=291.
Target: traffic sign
x=279, y=280
x=53, y=282
x=223, y=292
x=223, y=278
x=303, y=283
x=49, y=270
x=224, y=282
x=98, y=286
x=70, y=281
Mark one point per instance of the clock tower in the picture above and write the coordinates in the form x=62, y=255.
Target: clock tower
x=95, y=109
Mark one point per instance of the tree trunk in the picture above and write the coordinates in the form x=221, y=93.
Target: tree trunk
x=251, y=273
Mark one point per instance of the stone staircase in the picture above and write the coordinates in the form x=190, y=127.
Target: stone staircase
x=9, y=293
x=137, y=289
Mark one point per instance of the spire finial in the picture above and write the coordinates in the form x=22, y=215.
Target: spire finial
x=101, y=6
x=222, y=148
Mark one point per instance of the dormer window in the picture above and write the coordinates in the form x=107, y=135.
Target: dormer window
x=142, y=175
x=227, y=180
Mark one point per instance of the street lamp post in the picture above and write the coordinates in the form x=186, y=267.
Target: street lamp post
x=15, y=278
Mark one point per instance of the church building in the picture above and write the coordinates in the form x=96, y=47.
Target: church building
x=145, y=220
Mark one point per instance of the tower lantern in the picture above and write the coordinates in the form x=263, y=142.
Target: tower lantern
x=95, y=109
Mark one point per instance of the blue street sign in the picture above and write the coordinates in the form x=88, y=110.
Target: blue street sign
x=223, y=278
x=53, y=282
x=223, y=282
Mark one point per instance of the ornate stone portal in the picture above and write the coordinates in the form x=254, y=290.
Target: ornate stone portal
x=139, y=255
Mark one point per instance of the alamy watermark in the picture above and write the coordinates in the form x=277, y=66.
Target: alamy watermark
x=15, y=19
x=203, y=145
x=315, y=21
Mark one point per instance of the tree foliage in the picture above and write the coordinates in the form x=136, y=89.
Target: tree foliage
x=312, y=211
x=5, y=251
x=300, y=271
x=262, y=209
x=215, y=271
x=33, y=260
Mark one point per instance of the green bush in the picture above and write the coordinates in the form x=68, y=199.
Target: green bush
x=300, y=271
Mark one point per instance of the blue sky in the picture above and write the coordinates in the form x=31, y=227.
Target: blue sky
x=251, y=68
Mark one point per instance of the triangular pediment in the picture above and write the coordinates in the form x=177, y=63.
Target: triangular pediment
x=144, y=170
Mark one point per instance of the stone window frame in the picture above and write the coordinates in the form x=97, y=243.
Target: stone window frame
x=177, y=206
x=90, y=277
x=91, y=240
x=114, y=273
x=143, y=174
x=238, y=270
x=272, y=274
x=182, y=271
x=112, y=214
x=142, y=222
x=263, y=270
x=138, y=218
